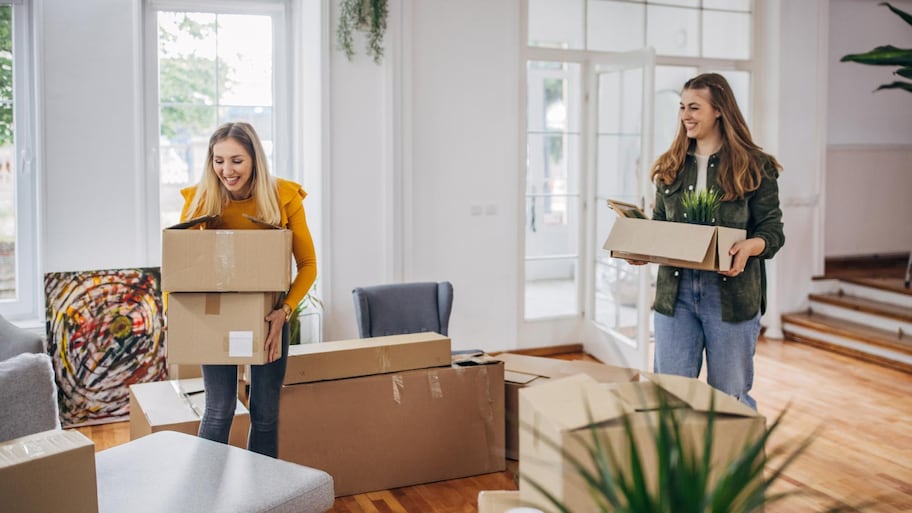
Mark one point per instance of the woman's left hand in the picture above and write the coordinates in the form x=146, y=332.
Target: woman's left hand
x=740, y=252
x=276, y=320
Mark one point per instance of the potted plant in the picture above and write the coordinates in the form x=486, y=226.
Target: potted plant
x=701, y=207
x=889, y=55
x=310, y=306
x=684, y=482
x=661, y=456
x=367, y=16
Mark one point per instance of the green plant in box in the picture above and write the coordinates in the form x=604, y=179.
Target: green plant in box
x=686, y=481
x=700, y=207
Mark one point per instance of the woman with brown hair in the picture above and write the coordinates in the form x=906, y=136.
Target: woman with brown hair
x=704, y=311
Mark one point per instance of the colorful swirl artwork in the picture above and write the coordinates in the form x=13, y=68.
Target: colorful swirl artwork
x=105, y=333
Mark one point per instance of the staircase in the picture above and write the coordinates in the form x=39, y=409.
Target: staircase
x=867, y=318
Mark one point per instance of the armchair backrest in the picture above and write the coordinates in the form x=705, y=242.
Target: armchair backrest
x=402, y=308
x=28, y=394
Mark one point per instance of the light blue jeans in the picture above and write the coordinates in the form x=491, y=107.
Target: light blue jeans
x=697, y=326
x=221, y=381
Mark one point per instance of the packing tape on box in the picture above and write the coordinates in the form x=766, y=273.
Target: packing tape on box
x=383, y=359
x=434, y=386
x=213, y=303
x=224, y=256
x=398, y=385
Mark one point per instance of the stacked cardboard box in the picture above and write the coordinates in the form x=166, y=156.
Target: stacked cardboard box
x=393, y=411
x=178, y=405
x=48, y=471
x=221, y=284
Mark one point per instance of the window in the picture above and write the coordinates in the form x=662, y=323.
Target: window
x=225, y=63
x=564, y=42
x=19, y=274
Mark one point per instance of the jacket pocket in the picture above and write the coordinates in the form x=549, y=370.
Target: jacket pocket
x=671, y=195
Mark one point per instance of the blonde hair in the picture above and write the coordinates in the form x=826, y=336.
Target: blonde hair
x=211, y=196
x=741, y=170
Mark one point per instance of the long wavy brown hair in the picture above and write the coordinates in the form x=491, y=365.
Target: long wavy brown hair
x=211, y=196
x=742, y=162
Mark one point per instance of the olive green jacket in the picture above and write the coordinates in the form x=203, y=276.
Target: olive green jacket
x=758, y=213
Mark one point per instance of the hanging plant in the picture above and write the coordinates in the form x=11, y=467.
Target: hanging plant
x=367, y=16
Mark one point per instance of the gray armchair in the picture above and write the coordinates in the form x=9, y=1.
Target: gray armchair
x=15, y=340
x=28, y=392
x=402, y=308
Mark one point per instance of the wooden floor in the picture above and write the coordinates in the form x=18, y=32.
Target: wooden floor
x=862, y=453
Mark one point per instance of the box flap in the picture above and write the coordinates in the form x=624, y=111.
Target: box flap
x=573, y=402
x=689, y=242
x=520, y=365
x=519, y=377
x=191, y=223
x=727, y=237
x=700, y=396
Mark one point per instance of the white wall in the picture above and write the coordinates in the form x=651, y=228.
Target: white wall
x=414, y=144
x=93, y=202
x=869, y=154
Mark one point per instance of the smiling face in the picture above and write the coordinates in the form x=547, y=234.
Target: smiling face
x=234, y=167
x=700, y=118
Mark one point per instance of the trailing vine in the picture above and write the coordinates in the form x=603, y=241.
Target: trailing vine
x=367, y=16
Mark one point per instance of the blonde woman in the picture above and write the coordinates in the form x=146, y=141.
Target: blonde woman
x=236, y=182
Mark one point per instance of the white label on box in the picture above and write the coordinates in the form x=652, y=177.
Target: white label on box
x=240, y=344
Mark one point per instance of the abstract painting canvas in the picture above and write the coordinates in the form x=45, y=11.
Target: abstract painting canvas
x=105, y=332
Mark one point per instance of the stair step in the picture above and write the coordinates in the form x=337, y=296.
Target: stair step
x=850, y=338
x=865, y=305
x=895, y=285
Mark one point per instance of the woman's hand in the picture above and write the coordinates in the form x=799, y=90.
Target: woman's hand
x=740, y=252
x=635, y=262
x=276, y=320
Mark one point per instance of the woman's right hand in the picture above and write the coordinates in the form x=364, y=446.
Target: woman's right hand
x=636, y=262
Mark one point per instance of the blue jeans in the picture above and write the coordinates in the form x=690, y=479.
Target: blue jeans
x=266, y=380
x=697, y=325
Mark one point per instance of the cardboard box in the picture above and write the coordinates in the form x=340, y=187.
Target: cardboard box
x=48, y=471
x=498, y=501
x=184, y=371
x=390, y=430
x=363, y=357
x=522, y=371
x=218, y=327
x=564, y=410
x=690, y=246
x=225, y=260
x=178, y=405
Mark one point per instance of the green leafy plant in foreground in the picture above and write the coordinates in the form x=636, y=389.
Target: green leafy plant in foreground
x=701, y=207
x=889, y=55
x=684, y=481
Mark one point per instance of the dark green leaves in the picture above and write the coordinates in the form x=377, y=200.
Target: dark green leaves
x=888, y=55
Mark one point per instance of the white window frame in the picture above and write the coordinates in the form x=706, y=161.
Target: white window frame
x=567, y=323
x=28, y=303
x=286, y=124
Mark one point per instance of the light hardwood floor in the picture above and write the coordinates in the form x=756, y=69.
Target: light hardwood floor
x=862, y=452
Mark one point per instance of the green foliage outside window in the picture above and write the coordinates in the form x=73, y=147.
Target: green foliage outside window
x=189, y=84
x=6, y=75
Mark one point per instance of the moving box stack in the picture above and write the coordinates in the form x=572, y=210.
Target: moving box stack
x=221, y=284
x=386, y=412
